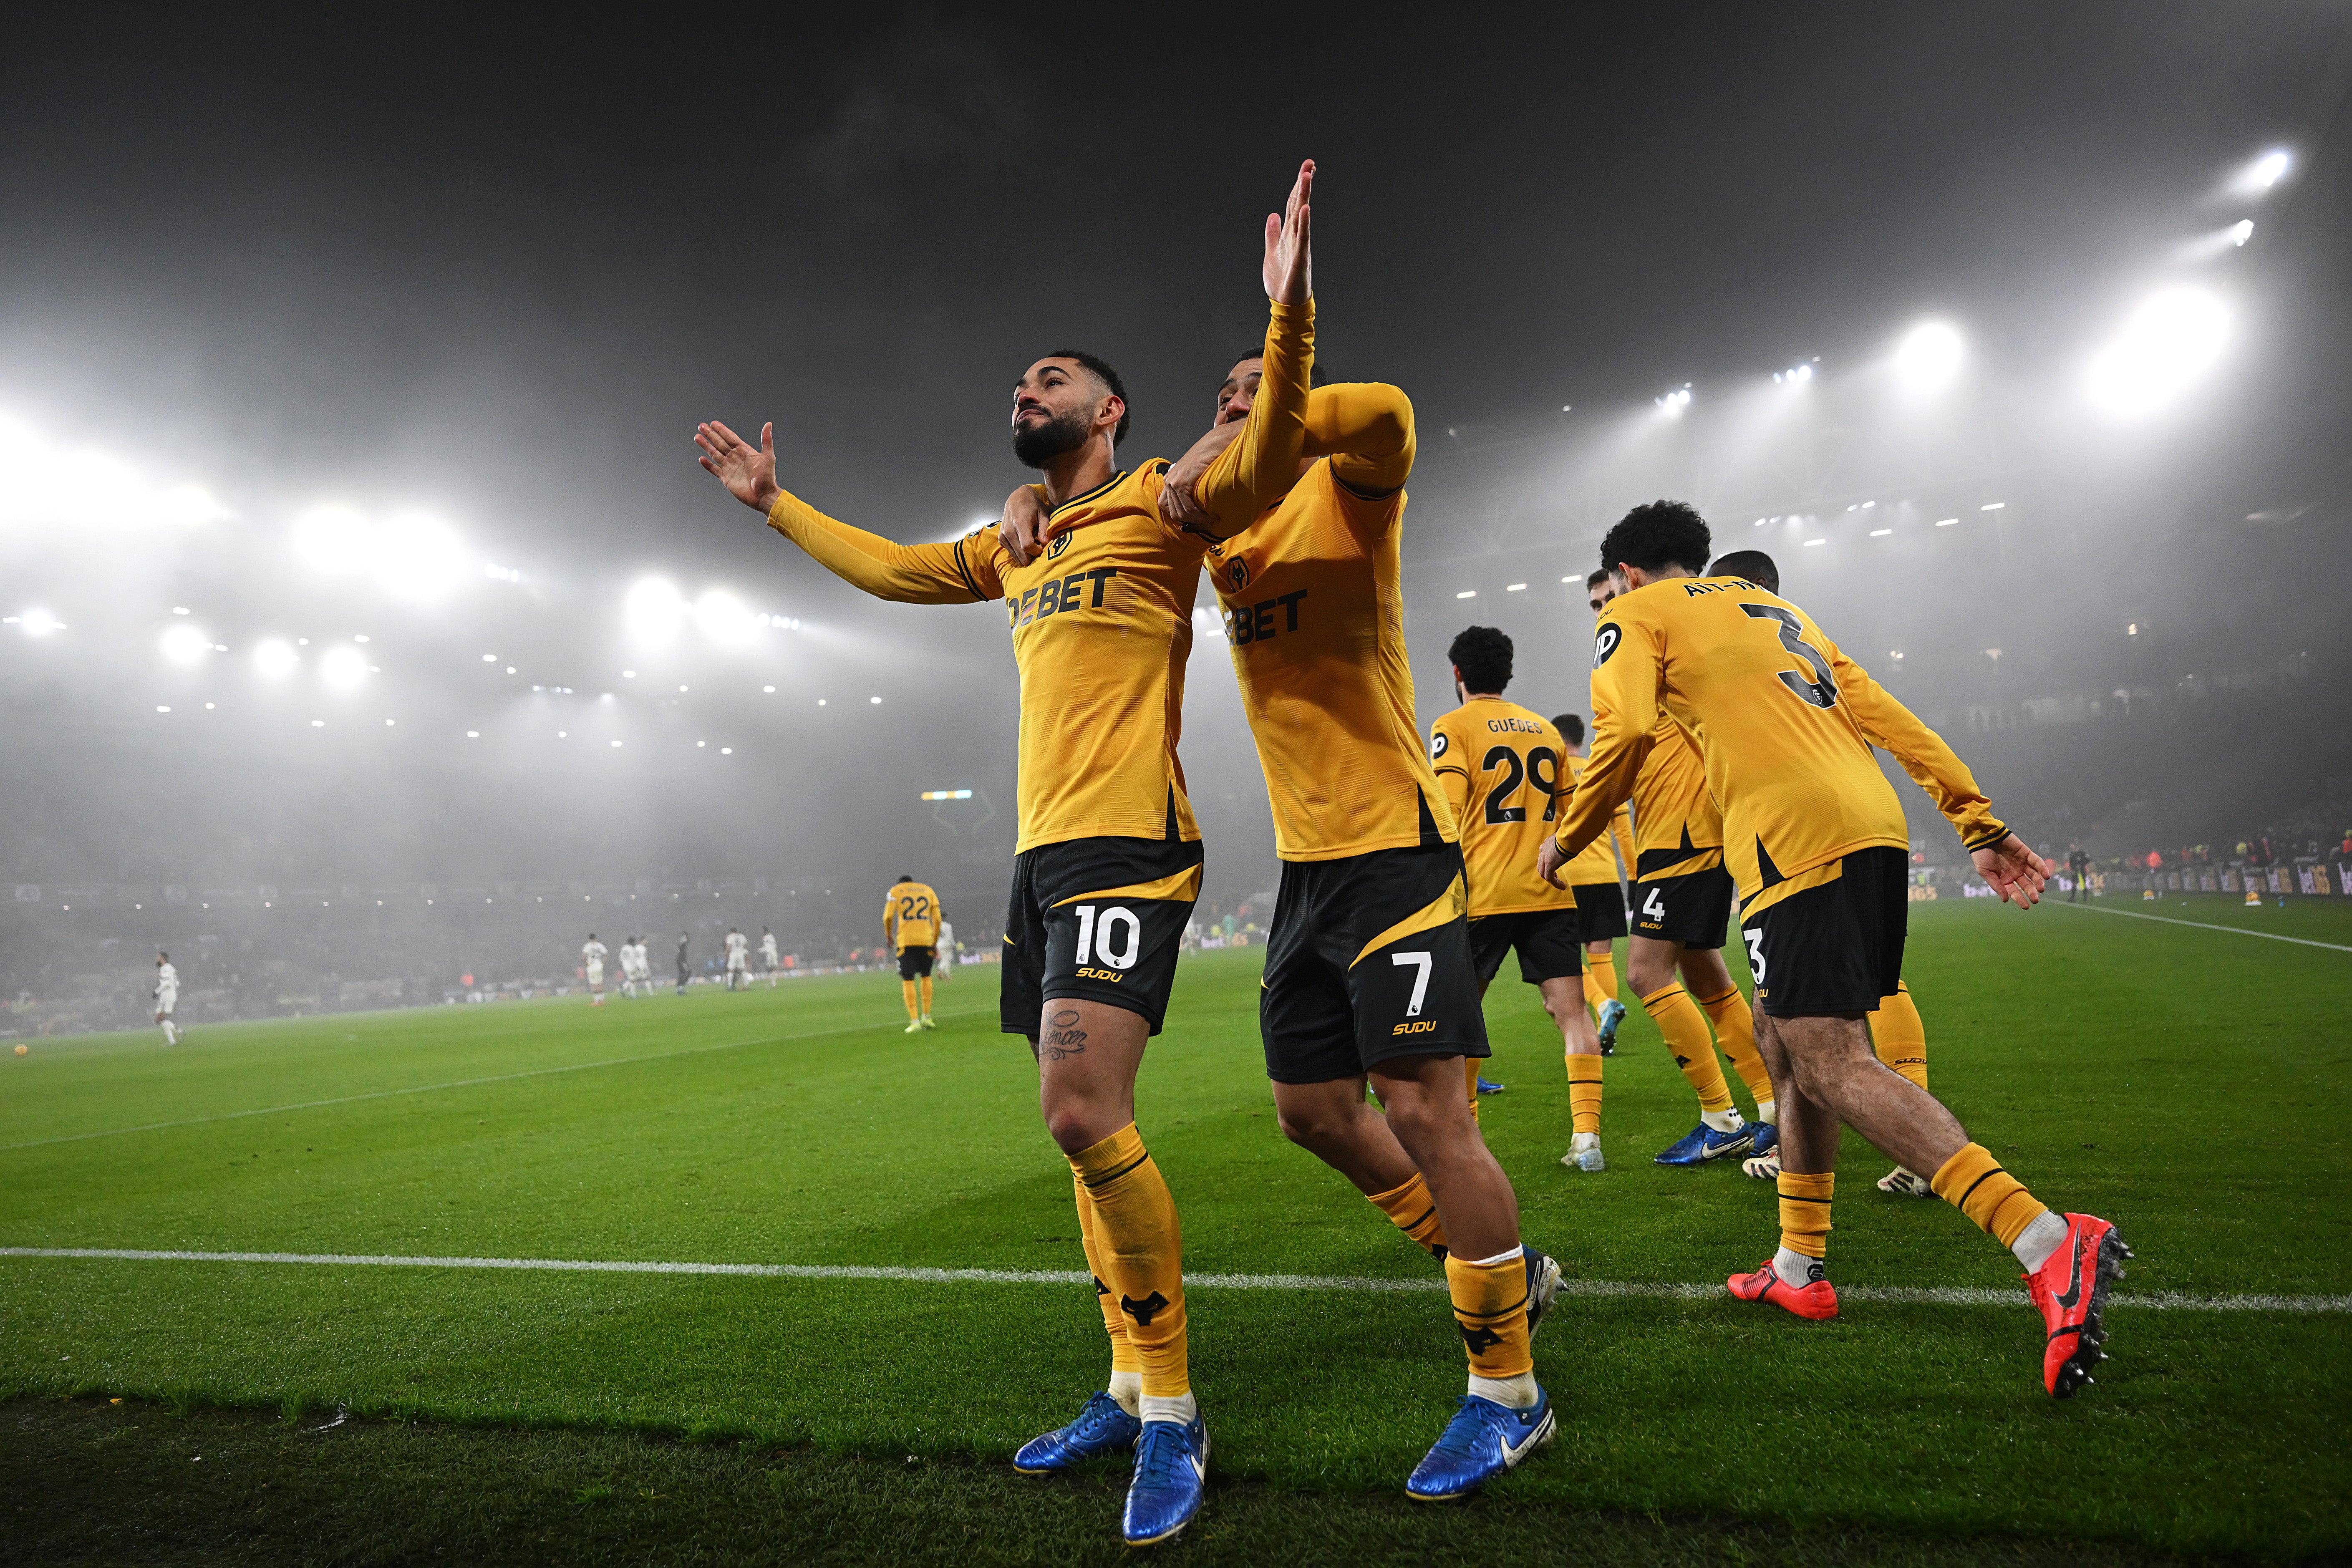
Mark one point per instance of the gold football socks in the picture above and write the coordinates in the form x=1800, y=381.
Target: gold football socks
x=1413, y=1211
x=1584, y=1093
x=1490, y=1305
x=1678, y=1019
x=1805, y=1215
x=1973, y=1182
x=1899, y=1036
x=1735, y=1032
x=925, y=983
x=907, y=990
x=1141, y=1250
x=1601, y=979
x=1125, y=1369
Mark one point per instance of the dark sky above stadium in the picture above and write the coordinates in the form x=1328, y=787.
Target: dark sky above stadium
x=502, y=263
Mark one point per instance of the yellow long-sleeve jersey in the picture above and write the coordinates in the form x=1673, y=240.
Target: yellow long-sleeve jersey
x=1596, y=863
x=1314, y=613
x=1101, y=620
x=911, y=915
x=1500, y=766
x=1784, y=721
x=1677, y=827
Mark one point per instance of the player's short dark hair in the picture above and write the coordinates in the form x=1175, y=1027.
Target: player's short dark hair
x=1571, y=727
x=1315, y=376
x=1657, y=535
x=1483, y=655
x=1752, y=564
x=1100, y=368
x=163, y=957
x=1596, y=579
x=905, y=879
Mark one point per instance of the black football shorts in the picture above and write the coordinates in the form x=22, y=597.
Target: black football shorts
x=1837, y=947
x=1694, y=908
x=1551, y=944
x=1368, y=959
x=1599, y=911
x=1099, y=919
x=915, y=963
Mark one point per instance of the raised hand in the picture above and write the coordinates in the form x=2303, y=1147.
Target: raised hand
x=1289, y=271
x=2013, y=871
x=749, y=472
x=1025, y=528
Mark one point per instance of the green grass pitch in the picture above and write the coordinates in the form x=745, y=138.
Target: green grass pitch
x=2185, y=1082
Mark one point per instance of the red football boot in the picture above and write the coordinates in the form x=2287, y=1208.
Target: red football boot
x=2071, y=1289
x=1817, y=1300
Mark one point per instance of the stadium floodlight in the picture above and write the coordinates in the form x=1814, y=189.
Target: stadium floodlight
x=38, y=623
x=333, y=538
x=1672, y=403
x=2263, y=172
x=185, y=644
x=417, y=558
x=653, y=609
x=275, y=657
x=2242, y=231
x=1795, y=376
x=947, y=794
x=186, y=506
x=343, y=667
x=1928, y=356
x=724, y=618
x=2166, y=344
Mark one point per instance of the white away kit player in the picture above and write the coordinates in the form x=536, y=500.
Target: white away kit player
x=738, y=947
x=591, y=956
x=945, y=965
x=167, y=996
x=768, y=955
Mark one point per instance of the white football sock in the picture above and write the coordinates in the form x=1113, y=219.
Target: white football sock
x=1127, y=1387
x=1721, y=1120
x=1769, y=1110
x=1179, y=1408
x=2038, y=1240
x=1796, y=1268
x=1516, y=1393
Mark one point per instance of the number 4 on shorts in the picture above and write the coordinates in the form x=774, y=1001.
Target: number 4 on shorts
x=1424, y=963
x=1654, y=906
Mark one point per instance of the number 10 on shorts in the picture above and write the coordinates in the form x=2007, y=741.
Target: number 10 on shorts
x=1095, y=938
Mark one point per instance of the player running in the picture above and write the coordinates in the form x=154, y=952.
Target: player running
x=167, y=997
x=1368, y=971
x=592, y=958
x=1816, y=839
x=1109, y=855
x=911, y=919
x=1897, y=1034
x=1497, y=761
x=1682, y=905
x=1598, y=879
x=769, y=957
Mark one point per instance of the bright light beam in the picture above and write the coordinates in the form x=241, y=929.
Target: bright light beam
x=275, y=657
x=183, y=644
x=1928, y=356
x=2166, y=344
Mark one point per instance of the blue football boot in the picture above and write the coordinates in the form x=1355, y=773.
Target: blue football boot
x=1703, y=1143
x=1104, y=1427
x=1613, y=1013
x=1171, y=1466
x=1482, y=1441
x=1767, y=1137
x=1488, y=1086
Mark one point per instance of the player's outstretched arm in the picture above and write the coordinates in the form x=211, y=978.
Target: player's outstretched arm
x=1624, y=727
x=1261, y=464
x=956, y=574
x=1366, y=428
x=2009, y=867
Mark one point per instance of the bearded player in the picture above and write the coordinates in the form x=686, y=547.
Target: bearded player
x=1108, y=856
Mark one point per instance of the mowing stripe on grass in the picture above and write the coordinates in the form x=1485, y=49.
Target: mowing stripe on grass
x=1906, y=1295
x=2208, y=925
x=458, y=1083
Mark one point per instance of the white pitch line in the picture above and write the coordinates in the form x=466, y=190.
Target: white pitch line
x=1901, y=1295
x=2206, y=925
x=456, y=1083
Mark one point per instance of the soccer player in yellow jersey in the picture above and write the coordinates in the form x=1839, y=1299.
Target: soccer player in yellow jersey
x=1368, y=972
x=1682, y=905
x=1785, y=723
x=911, y=918
x=1108, y=857
x=1598, y=879
x=1501, y=766
x=1897, y=1033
